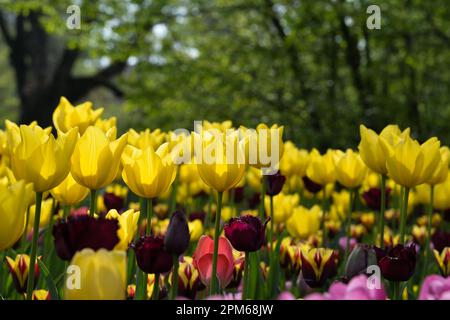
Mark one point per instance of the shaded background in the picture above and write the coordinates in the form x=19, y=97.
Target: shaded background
x=310, y=65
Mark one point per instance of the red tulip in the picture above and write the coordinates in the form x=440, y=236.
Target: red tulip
x=203, y=258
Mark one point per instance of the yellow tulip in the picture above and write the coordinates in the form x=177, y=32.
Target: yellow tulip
x=409, y=163
x=294, y=161
x=14, y=201
x=69, y=192
x=283, y=206
x=96, y=158
x=350, y=170
x=441, y=199
x=215, y=166
x=195, y=229
x=66, y=116
x=147, y=173
x=253, y=178
x=102, y=276
x=222, y=126
x=371, y=150
x=128, y=224
x=19, y=267
x=227, y=213
x=144, y=138
x=46, y=214
x=443, y=260
x=440, y=173
x=321, y=168
x=37, y=157
x=304, y=222
x=106, y=124
x=259, y=144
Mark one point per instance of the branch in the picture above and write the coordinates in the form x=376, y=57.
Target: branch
x=80, y=86
x=4, y=28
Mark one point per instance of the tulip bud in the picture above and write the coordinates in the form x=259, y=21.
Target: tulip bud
x=275, y=183
x=19, y=271
x=440, y=240
x=41, y=295
x=131, y=291
x=151, y=256
x=113, y=201
x=188, y=279
x=318, y=264
x=443, y=261
x=359, y=259
x=311, y=186
x=77, y=233
x=399, y=263
x=245, y=233
x=151, y=284
x=177, y=237
x=372, y=197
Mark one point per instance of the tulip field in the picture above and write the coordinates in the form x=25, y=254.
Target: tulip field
x=227, y=212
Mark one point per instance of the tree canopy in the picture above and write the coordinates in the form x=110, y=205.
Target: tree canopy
x=311, y=65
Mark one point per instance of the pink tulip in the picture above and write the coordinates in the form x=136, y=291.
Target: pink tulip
x=356, y=289
x=435, y=287
x=286, y=295
x=203, y=257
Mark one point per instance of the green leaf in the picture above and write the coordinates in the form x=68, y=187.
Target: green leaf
x=50, y=283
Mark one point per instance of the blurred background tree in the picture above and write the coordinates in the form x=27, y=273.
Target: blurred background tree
x=311, y=65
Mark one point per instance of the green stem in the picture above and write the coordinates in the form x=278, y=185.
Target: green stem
x=214, y=287
x=66, y=211
x=396, y=293
x=173, y=194
x=141, y=285
x=37, y=218
x=176, y=265
x=208, y=216
x=155, y=294
x=148, y=229
x=262, y=197
x=427, y=251
x=349, y=222
x=324, y=218
x=142, y=277
x=246, y=276
x=272, y=224
x=23, y=241
x=93, y=203
x=403, y=214
x=382, y=209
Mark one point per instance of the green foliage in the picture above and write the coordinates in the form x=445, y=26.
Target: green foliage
x=310, y=65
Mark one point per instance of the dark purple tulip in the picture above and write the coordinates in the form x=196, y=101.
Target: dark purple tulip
x=311, y=186
x=275, y=183
x=113, y=201
x=373, y=198
x=151, y=256
x=246, y=233
x=440, y=239
x=399, y=263
x=80, y=232
x=177, y=235
x=200, y=215
x=254, y=200
x=238, y=194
